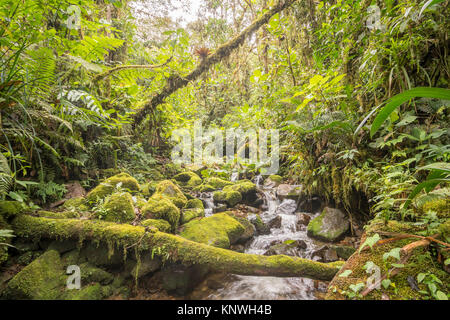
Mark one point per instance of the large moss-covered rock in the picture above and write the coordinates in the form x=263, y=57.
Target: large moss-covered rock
x=10, y=208
x=42, y=279
x=218, y=183
x=117, y=208
x=76, y=204
x=58, y=215
x=91, y=292
x=180, y=280
x=330, y=225
x=188, y=179
x=260, y=226
x=160, y=224
x=172, y=192
x=189, y=214
x=219, y=230
x=246, y=188
x=440, y=206
x=101, y=255
x=194, y=203
x=107, y=187
x=143, y=267
x=161, y=207
x=230, y=197
x=204, y=188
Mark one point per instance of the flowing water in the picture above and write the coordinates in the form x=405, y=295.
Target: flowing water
x=272, y=288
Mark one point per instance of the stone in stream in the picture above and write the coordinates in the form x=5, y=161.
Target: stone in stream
x=289, y=247
x=261, y=227
x=288, y=191
x=302, y=220
x=275, y=223
x=329, y=226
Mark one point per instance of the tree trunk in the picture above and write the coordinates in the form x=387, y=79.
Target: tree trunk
x=176, y=82
x=172, y=247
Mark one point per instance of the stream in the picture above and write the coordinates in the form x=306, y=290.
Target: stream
x=239, y=287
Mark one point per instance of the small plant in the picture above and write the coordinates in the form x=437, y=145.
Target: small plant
x=432, y=282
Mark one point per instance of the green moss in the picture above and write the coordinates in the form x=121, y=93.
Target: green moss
x=107, y=187
x=10, y=208
x=217, y=183
x=117, y=208
x=244, y=187
x=276, y=178
x=189, y=214
x=160, y=224
x=42, y=279
x=160, y=207
x=194, y=203
x=204, y=188
x=188, y=179
x=90, y=274
x=319, y=227
x=219, y=230
x=3, y=248
x=58, y=215
x=444, y=229
x=77, y=204
x=259, y=224
x=440, y=206
x=230, y=197
x=90, y=292
x=172, y=192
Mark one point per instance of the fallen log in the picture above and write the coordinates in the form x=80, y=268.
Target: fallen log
x=172, y=247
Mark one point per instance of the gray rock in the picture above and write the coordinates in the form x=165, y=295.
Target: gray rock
x=274, y=223
x=329, y=226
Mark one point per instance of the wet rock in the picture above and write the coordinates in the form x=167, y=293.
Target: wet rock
x=261, y=227
x=62, y=246
x=310, y=204
x=181, y=280
x=273, y=181
x=101, y=256
x=288, y=191
x=275, y=223
x=147, y=265
x=329, y=226
x=302, y=220
x=289, y=247
x=325, y=254
x=238, y=248
x=220, y=208
x=344, y=252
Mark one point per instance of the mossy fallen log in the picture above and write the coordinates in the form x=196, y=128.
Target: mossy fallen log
x=172, y=247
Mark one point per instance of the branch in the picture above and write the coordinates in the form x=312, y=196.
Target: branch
x=178, y=249
x=176, y=82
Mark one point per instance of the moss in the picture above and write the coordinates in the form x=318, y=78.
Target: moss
x=78, y=204
x=188, y=179
x=189, y=214
x=244, y=187
x=107, y=187
x=160, y=207
x=219, y=230
x=444, y=229
x=160, y=224
x=230, y=197
x=172, y=192
x=174, y=247
x=90, y=292
x=324, y=228
x=3, y=248
x=217, y=183
x=276, y=178
x=420, y=261
x=204, y=188
x=440, y=206
x=259, y=224
x=90, y=274
x=194, y=203
x=10, y=208
x=42, y=279
x=58, y=215
x=249, y=231
x=117, y=208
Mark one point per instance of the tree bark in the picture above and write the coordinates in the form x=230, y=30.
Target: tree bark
x=172, y=247
x=176, y=82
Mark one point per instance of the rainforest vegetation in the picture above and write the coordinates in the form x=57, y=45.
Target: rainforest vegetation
x=92, y=92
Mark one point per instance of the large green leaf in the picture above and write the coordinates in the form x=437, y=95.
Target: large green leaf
x=397, y=100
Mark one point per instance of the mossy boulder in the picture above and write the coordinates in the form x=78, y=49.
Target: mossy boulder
x=10, y=209
x=329, y=226
x=93, y=274
x=146, y=265
x=180, y=280
x=101, y=255
x=260, y=226
x=249, y=231
x=204, y=188
x=273, y=181
x=172, y=192
x=230, y=197
x=218, y=183
x=189, y=214
x=117, y=208
x=246, y=188
x=219, y=230
x=42, y=279
x=76, y=204
x=440, y=206
x=91, y=292
x=188, y=179
x=107, y=187
x=194, y=203
x=160, y=224
x=161, y=207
